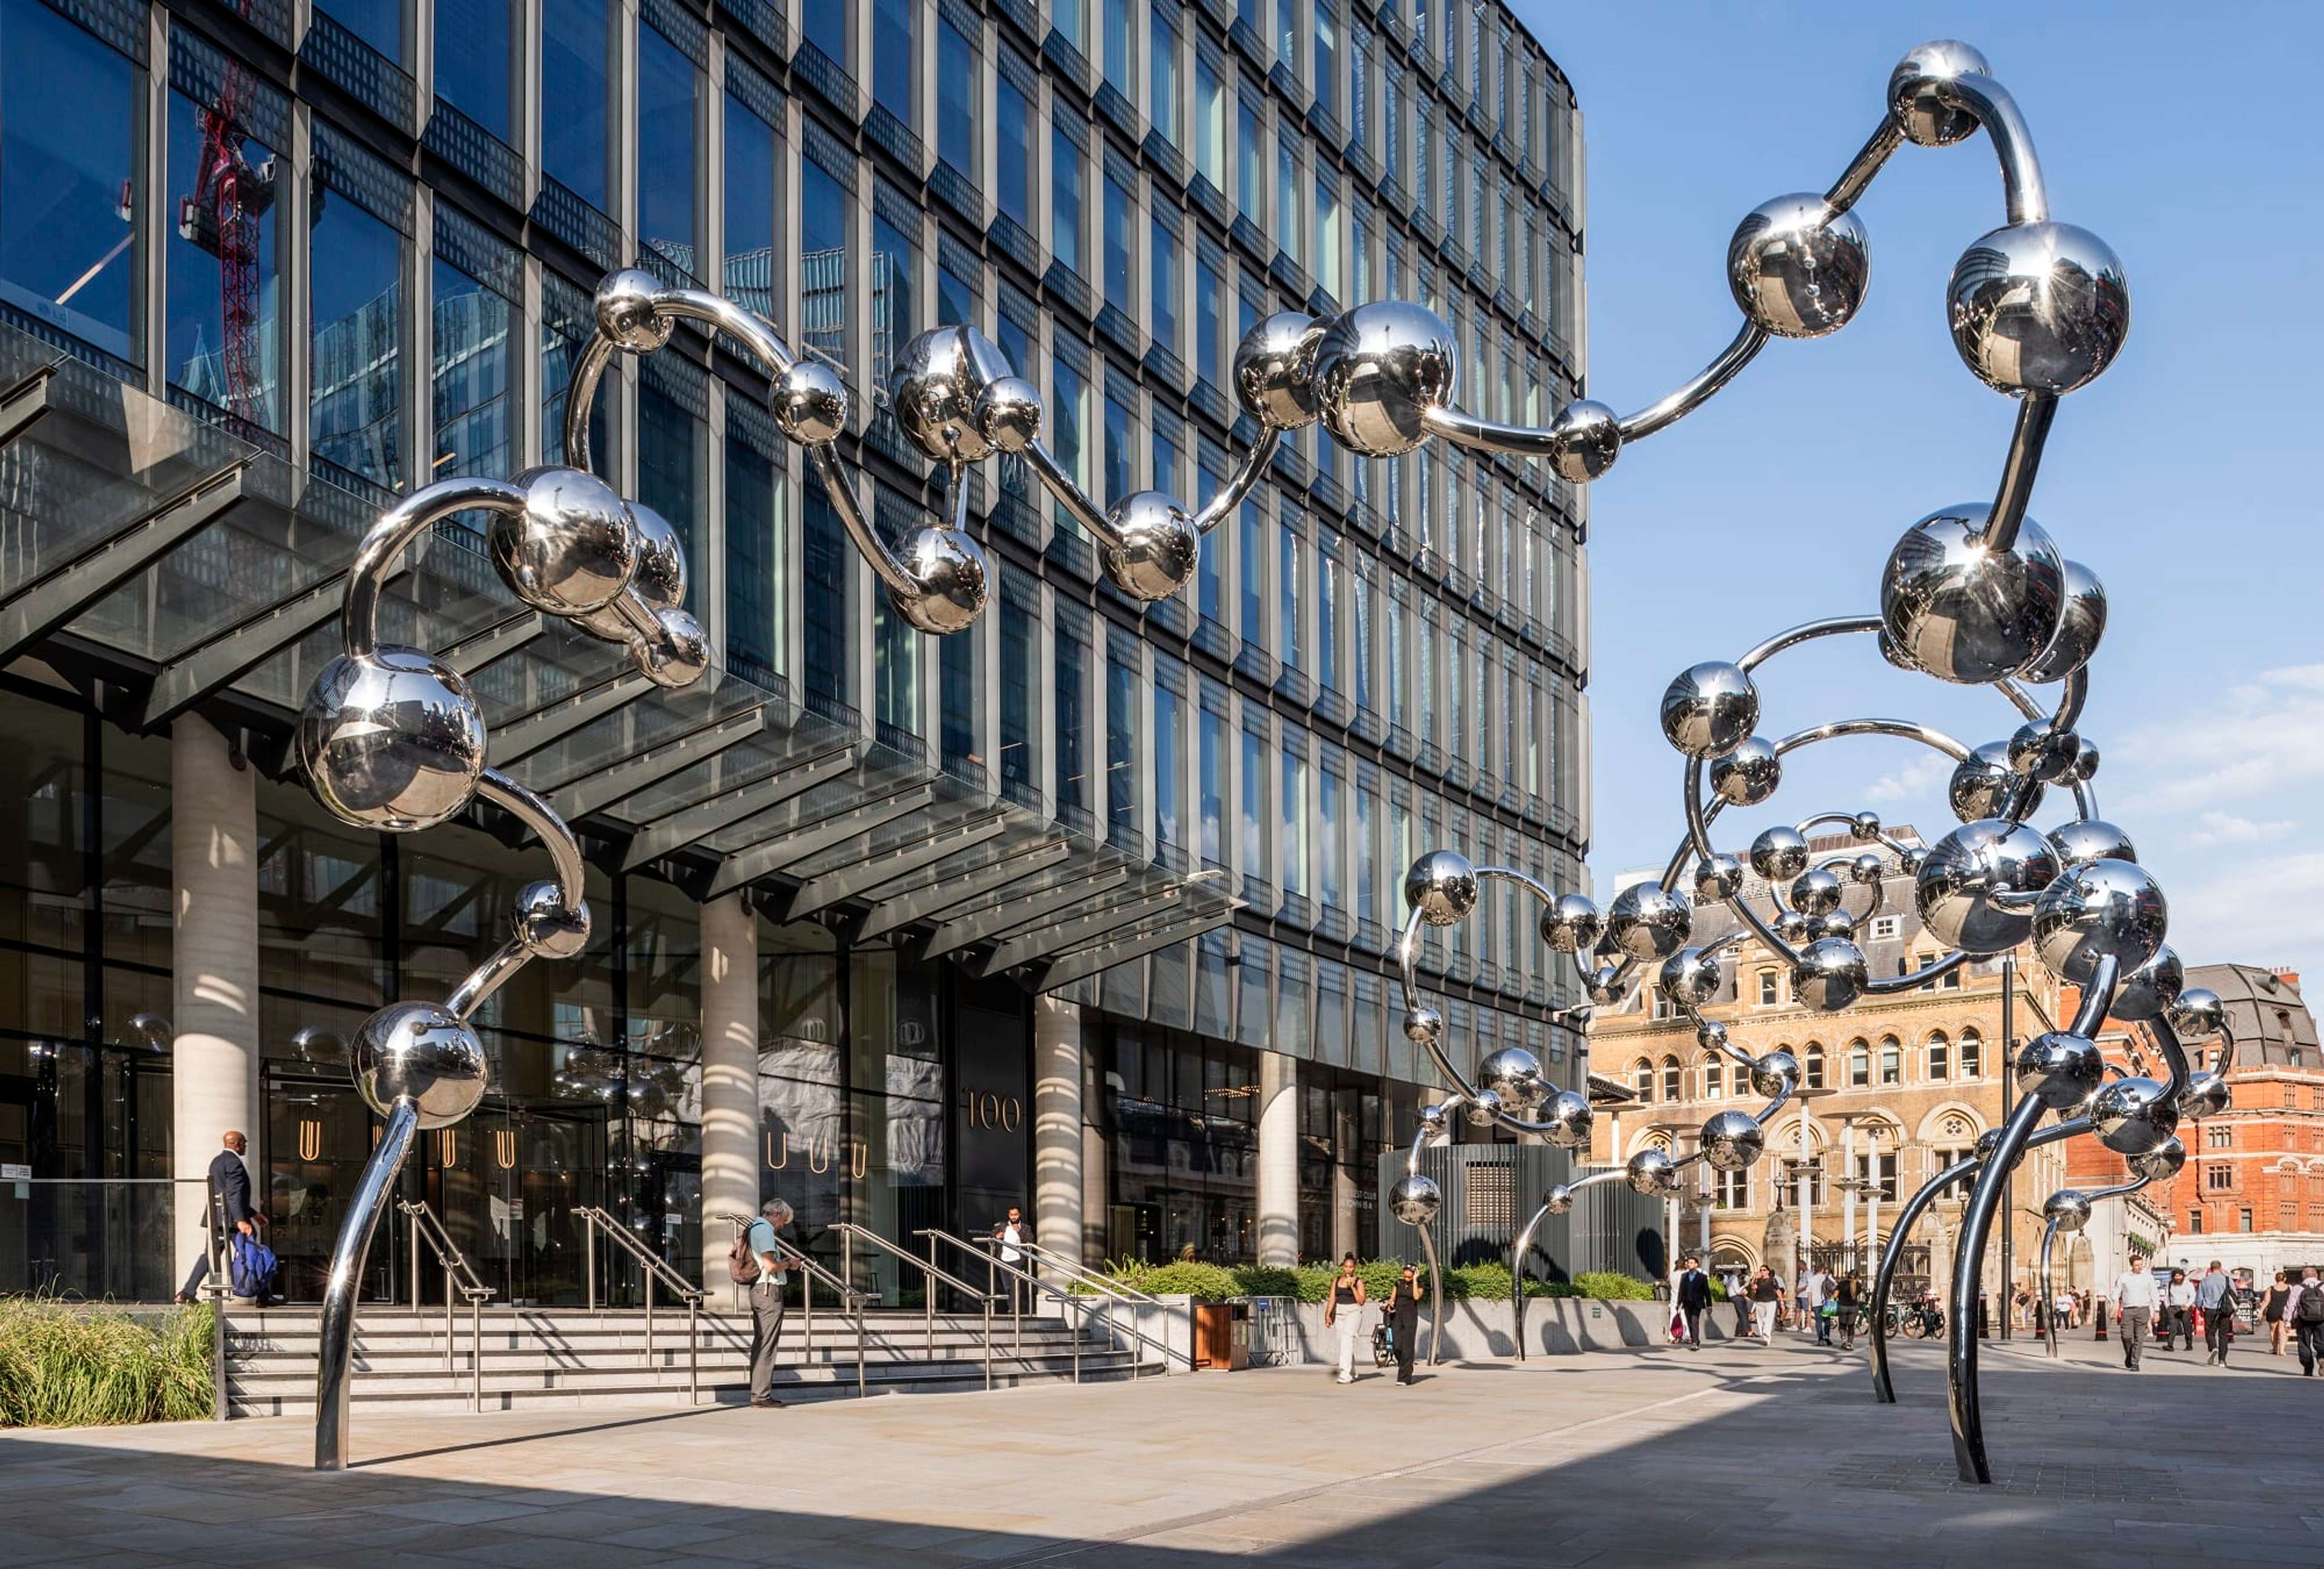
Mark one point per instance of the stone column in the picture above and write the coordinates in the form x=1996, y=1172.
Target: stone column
x=1278, y=1159
x=214, y=982
x=731, y=1124
x=1057, y=1211
x=1343, y=1213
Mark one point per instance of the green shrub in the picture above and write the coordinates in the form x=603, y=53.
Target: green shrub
x=1607, y=1286
x=1312, y=1283
x=1203, y=1282
x=68, y=1367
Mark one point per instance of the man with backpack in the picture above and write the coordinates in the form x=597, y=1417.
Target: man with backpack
x=755, y=1260
x=2305, y=1311
x=229, y=1192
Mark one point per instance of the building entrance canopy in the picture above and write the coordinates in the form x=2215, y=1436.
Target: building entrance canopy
x=179, y=566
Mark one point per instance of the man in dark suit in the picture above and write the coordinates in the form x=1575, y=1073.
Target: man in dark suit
x=229, y=1190
x=1693, y=1298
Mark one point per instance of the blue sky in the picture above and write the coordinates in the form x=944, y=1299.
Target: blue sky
x=2190, y=142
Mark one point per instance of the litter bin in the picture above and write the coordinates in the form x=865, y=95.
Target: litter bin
x=1215, y=1335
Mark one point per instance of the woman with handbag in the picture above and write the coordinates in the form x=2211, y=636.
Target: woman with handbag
x=1343, y=1309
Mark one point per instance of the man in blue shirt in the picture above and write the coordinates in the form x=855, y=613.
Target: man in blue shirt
x=2215, y=1296
x=767, y=1298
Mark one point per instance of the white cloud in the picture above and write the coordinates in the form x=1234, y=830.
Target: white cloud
x=2262, y=911
x=2227, y=828
x=1914, y=781
x=2265, y=737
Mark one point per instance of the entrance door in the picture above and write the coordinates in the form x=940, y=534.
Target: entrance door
x=506, y=1183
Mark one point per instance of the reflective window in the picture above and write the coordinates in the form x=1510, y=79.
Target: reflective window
x=1249, y=558
x=1254, y=804
x=1293, y=801
x=1068, y=418
x=1071, y=715
x=896, y=667
x=1117, y=63
x=1327, y=233
x=1162, y=268
x=355, y=385
x=757, y=608
x=568, y=322
x=895, y=297
x=1209, y=577
x=378, y=23
x=957, y=76
x=1248, y=151
x=894, y=53
x=1327, y=840
x=1326, y=47
x=829, y=25
x=1939, y=1055
x=1066, y=187
x=470, y=376
x=1290, y=225
x=1162, y=73
x=1327, y=619
x=575, y=44
x=750, y=210
x=1210, y=125
x=955, y=298
x=672, y=452
x=824, y=209
x=825, y=596
x=1115, y=481
x=225, y=342
x=70, y=125
x=1019, y=636
x=1212, y=762
x=961, y=698
x=1071, y=18
x=1169, y=756
x=1012, y=144
x=669, y=96
x=1391, y=125
x=1122, y=762
x=475, y=62
x=1367, y=906
x=1119, y=206
x=1289, y=574
x=1210, y=321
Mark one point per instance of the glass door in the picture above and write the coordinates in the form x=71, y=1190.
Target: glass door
x=506, y=1184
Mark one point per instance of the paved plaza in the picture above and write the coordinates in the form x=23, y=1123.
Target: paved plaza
x=1739, y=1454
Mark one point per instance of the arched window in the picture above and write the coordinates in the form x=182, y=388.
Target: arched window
x=1814, y=1070
x=1713, y=1078
x=1642, y=1079
x=1972, y=1055
x=1859, y=1064
x=1671, y=1091
x=1892, y=1061
x=1939, y=1057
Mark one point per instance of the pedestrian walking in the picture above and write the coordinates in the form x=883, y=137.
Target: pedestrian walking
x=2215, y=1296
x=1848, y=1299
x=1821, y=1287
x=2272, y=1312
x=2179, y=1298
x=1404, y=1323
x=1693, y=1298
x=1344, y=1310
x=2136, y=1298
x=2303, y=1309
x=760, y=1265
x=229, y=1192
x=1766, y=1295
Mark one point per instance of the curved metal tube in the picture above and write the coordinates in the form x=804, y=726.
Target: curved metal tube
x=1239, y=484
x=1857, y=178
x=1683, y=401
x=1516, y=1274
x=1808, y=632
x=2024, y=196
x=1885, y=1277
x=2034, y=413
x=537, y=815
x=337, y=1328
x=743, y=325
x=1479, y=434
x=385, y=541
x=581, y=397
x=842, y=491
x=1436, y=1299
x=1968, y=1271
x=2049, y=1287
x=1069, y=493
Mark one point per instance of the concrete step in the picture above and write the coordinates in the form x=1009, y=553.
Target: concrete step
x=902, y=1340
x=665, y=1357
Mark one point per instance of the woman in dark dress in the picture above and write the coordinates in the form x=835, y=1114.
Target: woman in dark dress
x=1404, y=1322
x=2271, y=1315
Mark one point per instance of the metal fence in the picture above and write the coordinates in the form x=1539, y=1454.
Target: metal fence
x=1491, y=1190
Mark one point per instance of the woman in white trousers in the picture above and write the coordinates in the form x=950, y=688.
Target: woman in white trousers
x=1343, y=1311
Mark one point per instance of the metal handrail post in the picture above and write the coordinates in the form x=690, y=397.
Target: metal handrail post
x=589, y=1233
x=859, y=1348
x=451, y=1356
x=806, y=1289
x=1077, y=1344
x=988, y=1342
x=649, y=1283
x=929, y=1300
x=693, y=1350
x=415, y=1262
x=475, y=1353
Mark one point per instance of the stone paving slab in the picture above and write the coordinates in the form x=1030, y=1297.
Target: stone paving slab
x=1734, y=1455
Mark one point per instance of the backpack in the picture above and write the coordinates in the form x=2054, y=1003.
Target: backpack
x=742, y=1264
x=250, y=1266
x=2311, y=1306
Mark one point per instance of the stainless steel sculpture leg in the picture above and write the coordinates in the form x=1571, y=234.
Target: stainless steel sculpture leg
x=1435, y=1300
x=1968, y=1271
x=1516, y=1275
x=1884, y=1280
x=339, y=1292
x=2048, y=1294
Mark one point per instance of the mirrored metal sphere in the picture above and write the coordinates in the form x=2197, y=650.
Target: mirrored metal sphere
x=1711, y=709
x=1710, y=1035
x=1794, y=927
x=2086, y=764
x=1748, y=774
x=1988, y=1142
x=1570, y=925
x=1558, y=1200
x=659, y=577
x=2038, y=308
x=571, y=548
x=1796, y=268
x=2045, y=753
x=1917, y=100
x=1775, y=1073
x=2100, y=907
x=1651, y=1173
x=2061, y=1068
x=1720, y=877
x=1434, y=1120
x=1414, y=1199
x=1567, y=1117
x=1732, y=1140
x=2146, y=991
x=2080, y=624
x=391, y=740
x=2132, y=1116
x=1378, y=369
x=545, y=927
x=1602, y=985
x=951, y=576
x=1816, y=892
x=2068, y=1207
x=937, y=386
x=1482, y=1109
x=1868, y=870
x=1866, y=826
x=1964, y=611
x=626, y=313
x=1690, y=977
x=1010, y=414
x=2162, y=1162
x=1976, y=890
x=1838, y=924
x=675, y=654
x=1514, y=1074
x=1423, y=1025
x=1830, y=974
x=1159, y=550
x=1647, y=921
x=1274, y=370
x=2090, y=839
x=422, y=1053
x=1589, y=438
x=2197, y=1014
x=2205, y=1095
x=1779, y=853
x=1442, y=886
x=1982, y=784
x=810, y=404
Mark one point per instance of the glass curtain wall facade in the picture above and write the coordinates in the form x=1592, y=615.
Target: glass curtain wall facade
x=1376, y=657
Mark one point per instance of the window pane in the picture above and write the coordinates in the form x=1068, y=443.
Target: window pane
x=1065, y=198
x=1327, y=840
x=828, y=26
x=1162, y=74
x=1117, y=247
x=1212, y=765
x=1168, y=763
x=1326, y=43
x=475, y=62
x=1249, y=560
x=896, y=667
x=1013, y=141
x=829, y=673
x=957, y=79
x=1116, y=480
x=1254, y=805
x=895, y=316
x=225, y=340
x=356, y=387
x=1162, y=264
x=470, y=376
x=824, y=209
x=670, y=458
x=669, y=90
x=893, y=53
x=1117, y=46
x=67, y=151
x=1210, y=125
x=1019, y=762
x=378, y=23
x=1073, y=717
x=1122, y=766
x=750, y=210
x=756, y=613
x=575, y=43
x=960, y=700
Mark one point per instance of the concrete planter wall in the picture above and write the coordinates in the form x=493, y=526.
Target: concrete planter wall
x=1480, y=1328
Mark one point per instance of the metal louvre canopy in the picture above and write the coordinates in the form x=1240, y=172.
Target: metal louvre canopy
x=193, y=569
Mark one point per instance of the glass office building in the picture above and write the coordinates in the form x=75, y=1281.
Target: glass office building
x=1111, y=883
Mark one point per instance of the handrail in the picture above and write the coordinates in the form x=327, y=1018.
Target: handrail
x=1113, y=1290
x=850, y=1232
x=1016, y=1303
x=851, y=1298
x=426, y=1226
x=654, y=1266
